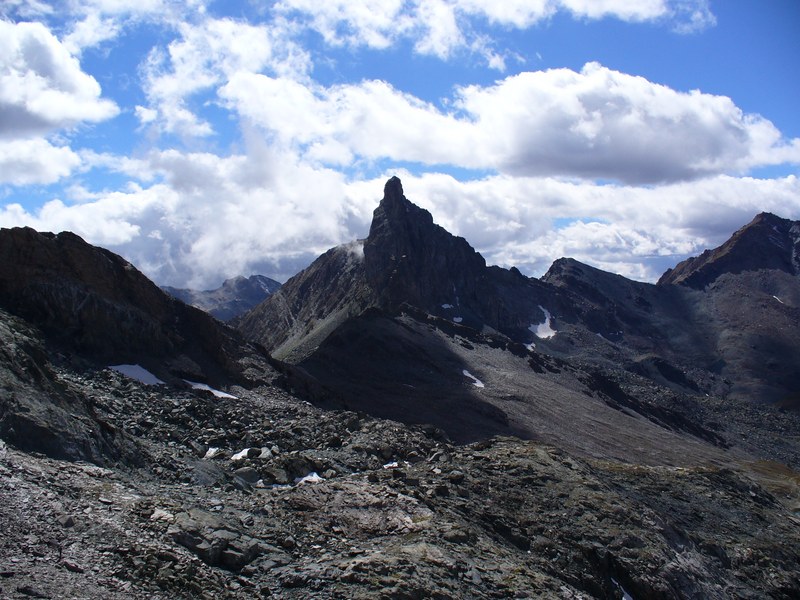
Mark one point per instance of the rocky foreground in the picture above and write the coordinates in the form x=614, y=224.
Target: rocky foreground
x=267, y=496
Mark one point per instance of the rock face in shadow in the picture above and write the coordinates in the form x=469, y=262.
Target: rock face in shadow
x=410, y=259
x=96, y=304
x=233, y=298
x=768, y=243
x=40, y=414
x=67, y=304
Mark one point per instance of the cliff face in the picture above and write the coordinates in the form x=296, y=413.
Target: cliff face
x=767, y=242
x=409, y=259
x=97, y=305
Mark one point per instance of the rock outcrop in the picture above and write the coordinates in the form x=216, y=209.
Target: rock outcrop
x=768, y=242
x=95, y=304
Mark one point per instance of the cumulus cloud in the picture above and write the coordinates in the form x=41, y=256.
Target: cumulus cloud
x=596, y=123
x=600, y=123
x=32, y=161
x=42, y=86
x=441, y=27
x=204, y=57
x=42, y=90
x=203, y=218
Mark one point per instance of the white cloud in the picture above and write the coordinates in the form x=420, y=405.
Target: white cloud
x=33, y=161
x=441, y=27
x=42, y=86
x=440, y=32
x=204, y=218
x=632, y=230
x=371, y=119
x=601, y=123
x=596, y=123
x=356, y=23
x=90, y=32
x=207, y=217
x=204, y=57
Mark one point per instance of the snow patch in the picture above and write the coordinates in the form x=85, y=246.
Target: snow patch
x=310, y=478
x=138, y=373
x=457, y=319
x=211, y=452
x=779, y=300
x=543, y=330
x=530, y=346
x=392, y=465
x=447, y=306
x=475, y=381
x=241, y=455
x=202, y=386
x=625, y=595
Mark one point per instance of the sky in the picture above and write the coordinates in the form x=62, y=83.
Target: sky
x=206, y=139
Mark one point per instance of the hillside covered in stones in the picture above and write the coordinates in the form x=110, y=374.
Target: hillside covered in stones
x=402, y=421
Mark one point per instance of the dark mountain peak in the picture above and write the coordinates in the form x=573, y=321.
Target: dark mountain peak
x=410, y=259
x=95, y=304
x=395, y=212
x=393, y=190
x=767, y=242
x=564, y=266
x=564, y=271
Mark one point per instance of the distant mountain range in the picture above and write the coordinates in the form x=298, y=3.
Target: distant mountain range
x=234, y=297
x=402, y=420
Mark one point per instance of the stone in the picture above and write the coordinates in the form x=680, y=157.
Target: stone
x=247, y=474
x=66, y=521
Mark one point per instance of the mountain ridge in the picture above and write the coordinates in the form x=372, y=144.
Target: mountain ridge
x=672, y=333
x=233, y=298
x=767, y=242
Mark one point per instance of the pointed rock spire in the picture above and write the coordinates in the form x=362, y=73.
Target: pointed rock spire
x=408, y=258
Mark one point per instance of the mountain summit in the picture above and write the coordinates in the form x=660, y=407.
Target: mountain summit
x=406, y=261
x=410, y=259
x=767, y=242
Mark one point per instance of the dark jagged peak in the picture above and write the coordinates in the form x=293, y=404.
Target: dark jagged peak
x=95, y=304
x=407, y=260
x=234, y=297
x=767, y=242
x=410, y=259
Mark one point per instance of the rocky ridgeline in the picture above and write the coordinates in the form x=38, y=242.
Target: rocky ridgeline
x=233, y=298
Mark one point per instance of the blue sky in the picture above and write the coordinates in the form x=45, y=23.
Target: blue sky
x=203, y=140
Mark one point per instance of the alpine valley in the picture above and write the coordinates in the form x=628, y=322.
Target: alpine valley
x=400, y=420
